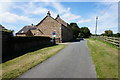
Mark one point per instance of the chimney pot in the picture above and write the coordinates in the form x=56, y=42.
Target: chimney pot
x=58, y=15
x=48, y=14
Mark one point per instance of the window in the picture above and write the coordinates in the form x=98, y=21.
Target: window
x=22, y=31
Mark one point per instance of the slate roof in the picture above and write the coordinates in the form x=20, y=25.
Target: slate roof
x=26, y=28
x=61, y=21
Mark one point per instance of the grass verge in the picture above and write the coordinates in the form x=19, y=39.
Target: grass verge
x=105, y=59
x=15, y=67
x=109, y=44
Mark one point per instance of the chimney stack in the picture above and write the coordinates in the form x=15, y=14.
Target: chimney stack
x=58, y=16
x=48, y=14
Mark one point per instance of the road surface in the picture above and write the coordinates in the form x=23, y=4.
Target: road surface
x=72, y=62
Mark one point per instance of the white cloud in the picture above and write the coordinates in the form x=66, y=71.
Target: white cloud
x=67, y=0
x=108, y=18
x=84, y=21
x=6, y=0
x=59, y=8
x=40, y=11
x=11, y=18
x=34, y=9
x=70, y=17
x=109, y=0
x=7, y=17
x=43, y=0
x=64, y=12
x=5, y=6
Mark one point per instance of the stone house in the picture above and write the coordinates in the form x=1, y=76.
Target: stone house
x=25, y=31
x=30, y=30
x=47, y=26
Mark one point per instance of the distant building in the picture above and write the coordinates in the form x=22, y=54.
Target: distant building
x=47, y=26
x=30, y=30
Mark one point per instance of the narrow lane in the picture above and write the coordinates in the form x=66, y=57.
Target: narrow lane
x=72, y=62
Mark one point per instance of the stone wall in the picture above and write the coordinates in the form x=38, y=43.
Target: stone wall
x=23, y=43
x=7, y=45
x=14, y=46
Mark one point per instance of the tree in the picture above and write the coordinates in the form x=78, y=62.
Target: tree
x=108, y=33
x=84, y=32
x=76, y=30
x=116, y=35
x=6, y=31
x=2, y=28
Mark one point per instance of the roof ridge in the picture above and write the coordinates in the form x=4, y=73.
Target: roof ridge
x=62, y=21
x=45, y=18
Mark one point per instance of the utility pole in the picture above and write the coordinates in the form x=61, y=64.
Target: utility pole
x=96, y=26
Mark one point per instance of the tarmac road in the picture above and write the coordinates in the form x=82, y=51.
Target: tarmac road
x=74, y=61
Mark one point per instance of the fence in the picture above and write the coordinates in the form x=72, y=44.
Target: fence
x=112, y=40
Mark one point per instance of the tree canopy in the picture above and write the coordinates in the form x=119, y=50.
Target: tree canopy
x=107, y=33
x=76, y=30
x=2, y=28
x=82, y=32
x=110, y=33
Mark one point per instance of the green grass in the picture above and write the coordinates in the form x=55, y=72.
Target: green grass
x=109, y=44
x=105, y=59
x=19, y=65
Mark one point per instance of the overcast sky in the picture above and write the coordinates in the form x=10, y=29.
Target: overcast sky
x=15, y=15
